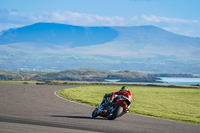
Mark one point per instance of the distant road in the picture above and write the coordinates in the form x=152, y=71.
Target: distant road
x=31, y=109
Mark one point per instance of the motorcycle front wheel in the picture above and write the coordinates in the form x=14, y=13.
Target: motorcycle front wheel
x=117, y=112
x=95, y=113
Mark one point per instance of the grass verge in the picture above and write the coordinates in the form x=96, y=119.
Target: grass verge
x=180, y=104
x=17, y=82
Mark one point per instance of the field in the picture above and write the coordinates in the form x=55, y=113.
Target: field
x=180, y=104
x=18, y=82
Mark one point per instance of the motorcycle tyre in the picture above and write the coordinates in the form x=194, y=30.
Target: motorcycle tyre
x=118, y=111
x=95, y=113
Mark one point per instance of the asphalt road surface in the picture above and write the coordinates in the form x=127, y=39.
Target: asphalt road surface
x=36, y=109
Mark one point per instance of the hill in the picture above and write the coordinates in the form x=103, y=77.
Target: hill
x=59, y=34
x=78, y=75
x=57, y=47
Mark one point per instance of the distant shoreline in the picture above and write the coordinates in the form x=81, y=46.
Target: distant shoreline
x=96, y=75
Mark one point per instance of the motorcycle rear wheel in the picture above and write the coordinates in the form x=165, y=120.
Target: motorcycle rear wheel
x=118, y=111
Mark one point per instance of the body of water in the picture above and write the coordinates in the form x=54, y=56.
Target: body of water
x=180, y=81
x=169, y=80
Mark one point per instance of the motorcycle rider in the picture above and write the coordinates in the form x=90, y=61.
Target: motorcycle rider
x=106, y=102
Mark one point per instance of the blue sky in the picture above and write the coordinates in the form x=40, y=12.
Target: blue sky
x=178, y=16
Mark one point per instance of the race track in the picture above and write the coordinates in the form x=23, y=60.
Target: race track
x=36, y=109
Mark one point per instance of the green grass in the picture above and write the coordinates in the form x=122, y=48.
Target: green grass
x=17, y=82
x=180, y=104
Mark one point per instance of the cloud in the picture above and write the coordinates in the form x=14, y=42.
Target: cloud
x=13, y=19
x=12, y=16
x=84, y=19
x=152, y=19
x=179, y=26
x=158, y=19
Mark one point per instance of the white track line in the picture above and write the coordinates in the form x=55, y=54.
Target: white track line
x=55, y=93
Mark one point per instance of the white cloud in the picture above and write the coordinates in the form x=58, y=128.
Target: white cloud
x=84, y=19
x=179, y=26
x=13, y=19
x=158, y=19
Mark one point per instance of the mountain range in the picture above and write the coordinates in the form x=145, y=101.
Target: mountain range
x=59, y=34
x=57, y=47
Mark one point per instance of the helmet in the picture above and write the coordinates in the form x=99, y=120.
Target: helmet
x=124, y=88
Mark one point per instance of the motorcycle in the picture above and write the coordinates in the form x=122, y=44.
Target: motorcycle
x=113, y=106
